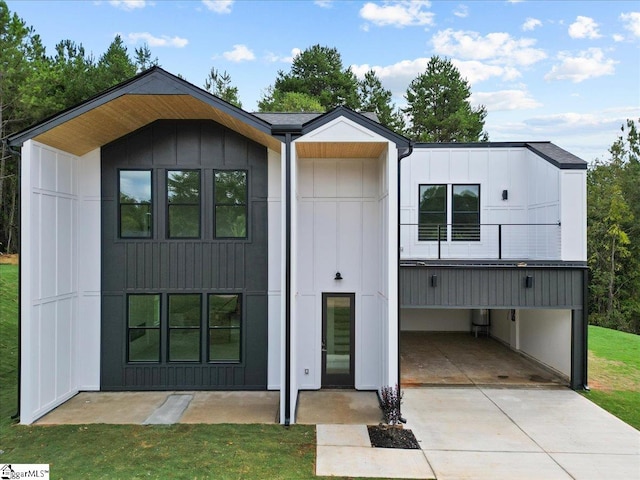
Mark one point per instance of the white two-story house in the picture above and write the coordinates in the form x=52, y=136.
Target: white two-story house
x=171, y=241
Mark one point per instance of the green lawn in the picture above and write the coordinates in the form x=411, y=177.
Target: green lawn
x=614, y=373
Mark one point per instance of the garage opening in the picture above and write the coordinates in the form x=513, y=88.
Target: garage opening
x=485, y=347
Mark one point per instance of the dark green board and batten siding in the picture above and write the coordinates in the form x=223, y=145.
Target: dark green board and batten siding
x=491, y=287
x=162, y=265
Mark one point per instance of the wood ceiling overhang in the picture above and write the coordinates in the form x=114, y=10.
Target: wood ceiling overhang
x=125, y=114
x=340, y=149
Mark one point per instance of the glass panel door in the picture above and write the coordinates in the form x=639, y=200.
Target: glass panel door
x=338, y=315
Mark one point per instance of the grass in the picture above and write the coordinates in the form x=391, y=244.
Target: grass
x=614, y=373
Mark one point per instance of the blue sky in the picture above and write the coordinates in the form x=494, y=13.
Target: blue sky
x=568, y=72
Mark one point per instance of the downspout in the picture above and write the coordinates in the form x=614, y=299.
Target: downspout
x=402, y=155
x=287, y=282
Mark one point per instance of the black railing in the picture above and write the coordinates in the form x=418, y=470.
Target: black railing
x=487, y=240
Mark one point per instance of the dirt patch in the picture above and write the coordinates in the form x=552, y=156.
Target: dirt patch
x=9, y=259
x=382, y=436
x=603, y=375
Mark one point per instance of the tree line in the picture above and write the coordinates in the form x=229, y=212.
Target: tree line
x=35, y=85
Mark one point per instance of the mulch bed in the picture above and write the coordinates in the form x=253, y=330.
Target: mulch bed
x=382, y=436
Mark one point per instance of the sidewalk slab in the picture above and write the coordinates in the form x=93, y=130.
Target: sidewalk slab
x=232, y=407
x=372, y=462
x=594, y=466
x=343, y=435
x=462, y=465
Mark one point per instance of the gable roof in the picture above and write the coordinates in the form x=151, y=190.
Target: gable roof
x=157, y=94
x=151, y=95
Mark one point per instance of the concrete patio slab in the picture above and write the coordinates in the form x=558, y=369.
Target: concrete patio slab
x=372, y=462
x=105, y=407
x=461, y=419
x=232, y=407
x=343, y=435
x=338, y=407
x=462, y=465
x=170, y=411
x=562, y=421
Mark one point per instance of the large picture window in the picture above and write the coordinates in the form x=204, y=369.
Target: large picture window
x=183, y=199
x=143, y=328
x=230, y=191
x=432, y=212
x=135, y=207
x=185, y=313
x=225, y=327
x=465, y=213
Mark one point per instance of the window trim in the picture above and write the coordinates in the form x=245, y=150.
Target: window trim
x=446, y=211
x=245, y=204
x=168, y=204
x=151, y=205
x=240, y=328
x=129, y=328
x=453, y=239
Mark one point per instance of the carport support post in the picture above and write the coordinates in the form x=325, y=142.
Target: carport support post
x=402, y=155
x=579, y=339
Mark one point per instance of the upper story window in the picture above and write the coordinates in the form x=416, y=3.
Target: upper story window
x=134, y=197
x=432, y=212
x=433, y=208
x=183, y=203
x=230, y=193
x=465, y=213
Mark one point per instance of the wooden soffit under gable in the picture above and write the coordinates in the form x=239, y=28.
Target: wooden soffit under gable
x=340, y=149
x=129, y=112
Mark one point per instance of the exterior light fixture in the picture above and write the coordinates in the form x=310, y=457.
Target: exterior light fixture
x=338, y=276
x=528, y=281
x=434, y=281
x=505, y=194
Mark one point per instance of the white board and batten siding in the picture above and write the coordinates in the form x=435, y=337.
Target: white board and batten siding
x=60, y=281
x=538, y=193
x=275, y=253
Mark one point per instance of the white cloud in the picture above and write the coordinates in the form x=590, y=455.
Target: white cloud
x=273, y=58
x=617, y=38
x=461, y=11
x=632, y=22
x=129, y=4
x=161, y=41
x=498, y=47
x=475, y=71
x=530, y=24
x=240, y=53
x=505, y=100
x=589, y=63
x=324, y=3
x=398, y=14
x=218, y=6
x=584, y=27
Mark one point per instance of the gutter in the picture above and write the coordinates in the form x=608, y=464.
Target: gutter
x=401, y=155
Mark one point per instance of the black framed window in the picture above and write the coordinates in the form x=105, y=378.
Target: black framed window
x=183, y=203
x=465, y=213
x=230, y=192
x=225, y=327
x=135, y=205
x=185, y=314
x=143, y=322
x=432, y=212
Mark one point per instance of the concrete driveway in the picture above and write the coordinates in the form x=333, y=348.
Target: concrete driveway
x=492, y=434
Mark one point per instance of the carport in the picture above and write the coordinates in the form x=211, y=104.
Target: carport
x=537, y=324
